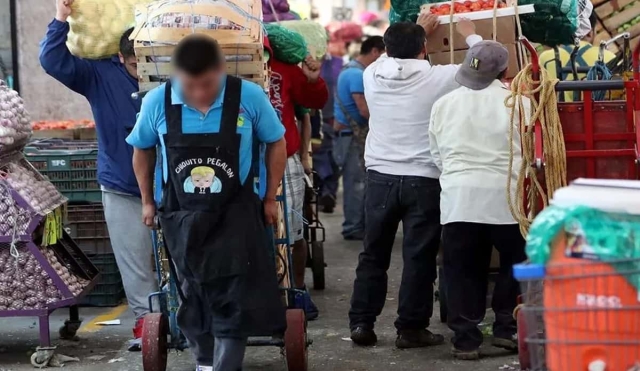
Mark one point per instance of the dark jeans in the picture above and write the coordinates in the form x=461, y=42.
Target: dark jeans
x=467, y=251
x=390, y=199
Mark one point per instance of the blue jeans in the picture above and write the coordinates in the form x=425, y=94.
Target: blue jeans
x=346, y=155
x=325, y=165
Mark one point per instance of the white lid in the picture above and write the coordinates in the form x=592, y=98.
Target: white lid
x=609, y=195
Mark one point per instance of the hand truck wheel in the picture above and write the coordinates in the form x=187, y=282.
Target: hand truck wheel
x=295, y=340
x=523, y=350
x=154, y=342
x=317, y=265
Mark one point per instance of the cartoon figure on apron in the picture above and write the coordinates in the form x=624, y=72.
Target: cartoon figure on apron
x=202, y=181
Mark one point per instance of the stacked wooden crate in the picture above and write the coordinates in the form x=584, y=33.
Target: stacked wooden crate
x=616, y=17
x=234, y=24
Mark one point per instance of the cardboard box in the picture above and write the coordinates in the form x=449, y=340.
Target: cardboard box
x=458, y=57
x=439, y=40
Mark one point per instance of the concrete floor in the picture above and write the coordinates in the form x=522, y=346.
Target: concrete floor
x=331, y=349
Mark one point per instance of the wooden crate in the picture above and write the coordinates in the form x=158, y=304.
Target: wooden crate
x=614, y=15
x=154, y=45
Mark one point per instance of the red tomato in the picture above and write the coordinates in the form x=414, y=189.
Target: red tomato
x=475, y=7
x=468, y=3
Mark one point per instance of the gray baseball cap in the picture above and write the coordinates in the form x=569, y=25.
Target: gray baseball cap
x=483, y=63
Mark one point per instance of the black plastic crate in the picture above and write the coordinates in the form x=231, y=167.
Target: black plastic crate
x=108, y=291
x=86, y=224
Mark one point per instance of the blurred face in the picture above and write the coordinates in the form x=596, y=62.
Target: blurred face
x=130, y=63
x=201, y=90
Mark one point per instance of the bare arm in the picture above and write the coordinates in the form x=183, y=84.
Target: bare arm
x=305, y=141
x=144, y=163
x=276, y=159
x=361, y=103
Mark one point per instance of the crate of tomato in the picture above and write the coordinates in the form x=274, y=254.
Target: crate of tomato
x=481, y=13
x=66, y=129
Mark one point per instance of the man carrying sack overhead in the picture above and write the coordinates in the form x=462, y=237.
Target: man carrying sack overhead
x=107, y=84
x=213, y=221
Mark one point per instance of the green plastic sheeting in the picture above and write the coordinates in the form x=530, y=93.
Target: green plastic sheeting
x=607, y=237
x=288, y=46
x=553, y=23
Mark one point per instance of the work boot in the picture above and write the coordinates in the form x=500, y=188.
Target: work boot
x=466, y=355
x=408, y=339
x=135, y=345
x=364, y=337
x=504, y=343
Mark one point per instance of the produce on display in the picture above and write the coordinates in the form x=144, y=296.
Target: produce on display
x=553, y=23
x=15, y=125
x=465, y=7
x=63, y=125
x=96, y=26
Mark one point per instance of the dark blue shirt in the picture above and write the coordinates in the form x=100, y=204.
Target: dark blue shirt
x=108, y=87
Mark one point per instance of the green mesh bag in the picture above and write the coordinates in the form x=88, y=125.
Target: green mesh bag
x=607, y=237
x=553, y=23
x=288, y=46
x=406, y=10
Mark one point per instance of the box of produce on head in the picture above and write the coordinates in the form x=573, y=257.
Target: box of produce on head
x=481, y=12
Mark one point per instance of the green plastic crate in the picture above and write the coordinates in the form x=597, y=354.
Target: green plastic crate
x=73, y=172
x=108, y=291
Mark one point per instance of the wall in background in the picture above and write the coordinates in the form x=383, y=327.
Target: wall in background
x=45, y=98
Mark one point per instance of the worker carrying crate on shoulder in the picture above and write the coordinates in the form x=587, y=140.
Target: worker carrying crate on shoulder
x=212, y=220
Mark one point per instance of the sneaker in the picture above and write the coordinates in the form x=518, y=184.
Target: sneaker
x=363, y=337
x=135, y=345
x=408, y=339
x=504, y=343
x=466, y=355
x=304, y=302
x=204, y=368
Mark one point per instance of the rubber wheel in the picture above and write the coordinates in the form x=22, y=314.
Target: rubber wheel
x=295, y=340
x=317, y=265
x=154, y=342
x=442, y=296
x=523, y=349
x=39, y=361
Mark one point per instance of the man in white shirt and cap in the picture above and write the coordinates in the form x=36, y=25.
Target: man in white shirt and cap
x=471, y=144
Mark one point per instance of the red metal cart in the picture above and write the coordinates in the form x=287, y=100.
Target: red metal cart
x=601, y=142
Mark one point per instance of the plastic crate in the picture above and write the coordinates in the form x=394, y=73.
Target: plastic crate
x=71, y=166
x=86, y=224
x=108, y=291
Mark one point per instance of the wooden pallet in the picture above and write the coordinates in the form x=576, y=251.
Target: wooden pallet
x=243, y=48
x=614, y=14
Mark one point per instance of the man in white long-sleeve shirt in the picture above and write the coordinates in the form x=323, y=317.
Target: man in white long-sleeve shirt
x=471, y=145
x=402, y=183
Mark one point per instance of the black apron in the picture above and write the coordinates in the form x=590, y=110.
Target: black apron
x=213, y=225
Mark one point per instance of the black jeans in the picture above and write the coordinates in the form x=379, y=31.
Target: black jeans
x=390, y=199
x=467, y=251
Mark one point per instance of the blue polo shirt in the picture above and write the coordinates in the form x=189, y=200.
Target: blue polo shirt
x=257, y=122
x=350, y=81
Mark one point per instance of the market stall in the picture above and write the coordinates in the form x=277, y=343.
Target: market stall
x=41, y=268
